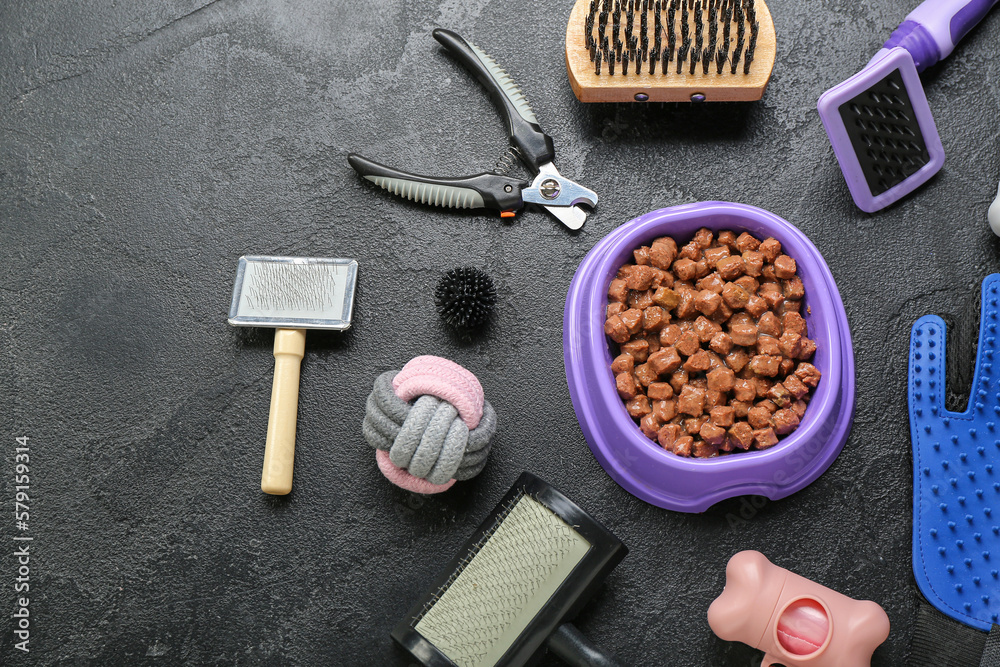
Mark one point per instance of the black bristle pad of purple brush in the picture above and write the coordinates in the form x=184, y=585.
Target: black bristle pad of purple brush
x=883, y=128
x=465, y=298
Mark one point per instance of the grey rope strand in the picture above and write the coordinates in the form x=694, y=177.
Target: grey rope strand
x=427, y=437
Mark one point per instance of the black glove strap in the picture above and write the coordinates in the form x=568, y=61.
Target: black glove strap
x=939, y=641
x=991, y=653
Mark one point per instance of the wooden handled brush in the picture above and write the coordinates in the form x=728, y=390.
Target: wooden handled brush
x=669, y=50
x=290, y=294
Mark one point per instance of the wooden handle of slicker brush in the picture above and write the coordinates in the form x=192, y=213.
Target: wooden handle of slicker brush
x=279, y=451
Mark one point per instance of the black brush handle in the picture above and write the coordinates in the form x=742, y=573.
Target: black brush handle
x=575, y=649
x=536, y=147
x=488, y=190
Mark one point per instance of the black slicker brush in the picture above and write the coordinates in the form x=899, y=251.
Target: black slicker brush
x=512, y=591
x=465, y=297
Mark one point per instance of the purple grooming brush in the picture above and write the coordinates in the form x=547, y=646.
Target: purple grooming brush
x=878, y=121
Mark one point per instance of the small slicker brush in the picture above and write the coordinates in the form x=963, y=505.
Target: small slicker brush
x=669, y=50
x=290, y=295
x=512, y=591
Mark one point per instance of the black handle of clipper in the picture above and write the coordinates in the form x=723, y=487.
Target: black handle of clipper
x=535, y=147
x=501, y=193
x=575, y=649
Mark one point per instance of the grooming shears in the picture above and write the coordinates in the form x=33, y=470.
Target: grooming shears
x=558, y=195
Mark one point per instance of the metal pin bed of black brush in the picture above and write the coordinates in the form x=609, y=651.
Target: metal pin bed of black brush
x=610, y=35
x=509, y=593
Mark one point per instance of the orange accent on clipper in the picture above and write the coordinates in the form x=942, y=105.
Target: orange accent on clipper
x=507, y=214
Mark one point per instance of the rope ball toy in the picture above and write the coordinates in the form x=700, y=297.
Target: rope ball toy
x=430, y=424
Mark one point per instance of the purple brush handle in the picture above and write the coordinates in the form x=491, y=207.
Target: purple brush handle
x=931, y=31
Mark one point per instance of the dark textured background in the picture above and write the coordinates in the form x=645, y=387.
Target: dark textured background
x=146, y=145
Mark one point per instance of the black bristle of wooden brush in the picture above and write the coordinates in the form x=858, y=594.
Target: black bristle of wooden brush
x=751, y=48
x=465, y=298
x=699, y=30
x=727, y=17
x=721, y=55
x=618, y=32
x=654, y=51
x=737, y=52
x=671, y=37
x=713, y=27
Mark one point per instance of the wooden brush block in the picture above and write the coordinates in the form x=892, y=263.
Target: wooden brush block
x=670, y=87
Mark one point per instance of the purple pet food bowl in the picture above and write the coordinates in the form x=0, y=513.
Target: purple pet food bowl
x=641, y=466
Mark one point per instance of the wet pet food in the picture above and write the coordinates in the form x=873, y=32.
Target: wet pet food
x=711, y=351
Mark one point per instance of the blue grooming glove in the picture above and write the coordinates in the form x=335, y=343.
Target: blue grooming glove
x=956, y=488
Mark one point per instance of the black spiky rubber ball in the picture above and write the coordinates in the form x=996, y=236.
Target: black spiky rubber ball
x=465, y=297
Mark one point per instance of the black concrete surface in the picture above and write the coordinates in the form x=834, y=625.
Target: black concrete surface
x=144, y=146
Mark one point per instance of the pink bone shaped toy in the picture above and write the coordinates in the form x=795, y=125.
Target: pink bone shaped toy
x=795, y=621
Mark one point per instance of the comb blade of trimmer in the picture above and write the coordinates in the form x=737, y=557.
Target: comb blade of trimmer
x=528, y=569
x=882, y=131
